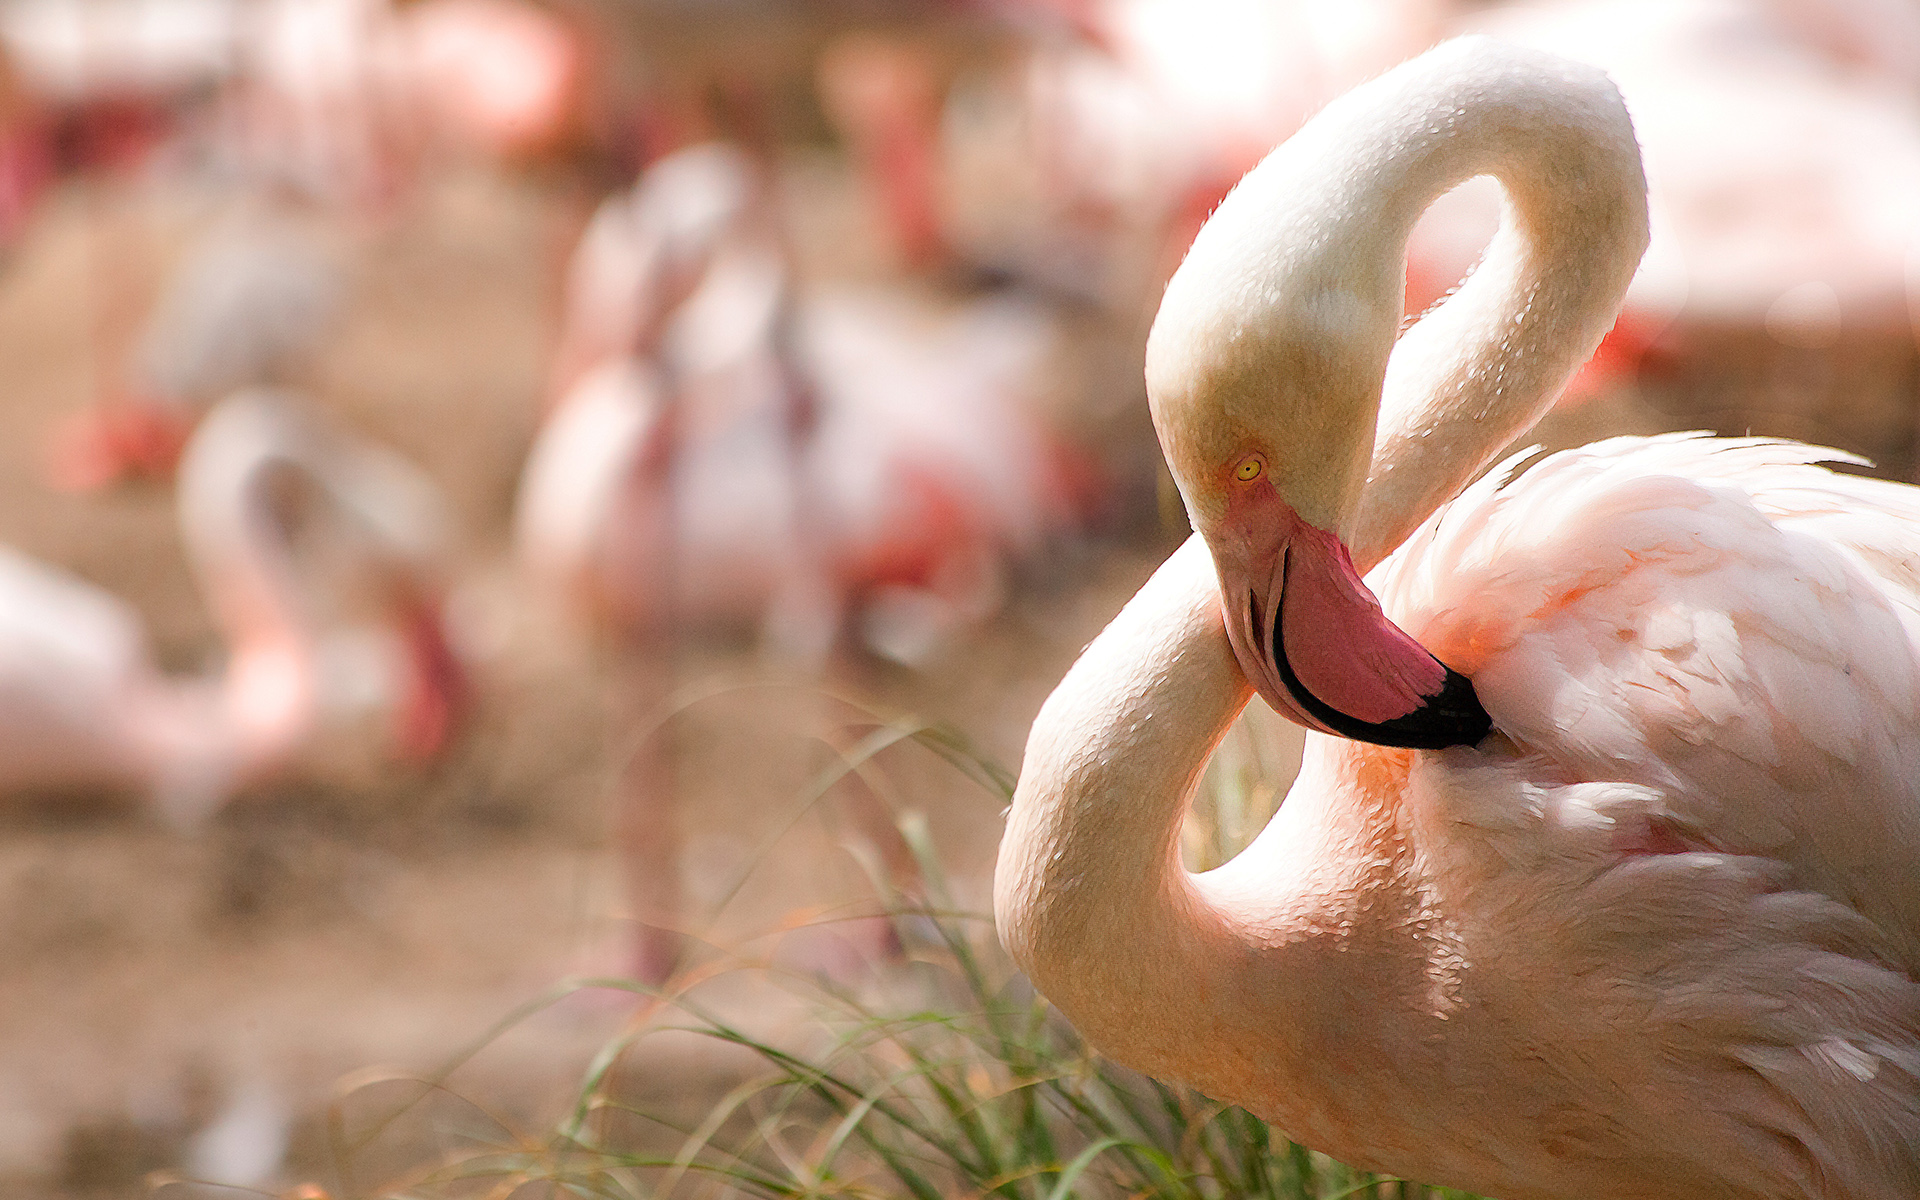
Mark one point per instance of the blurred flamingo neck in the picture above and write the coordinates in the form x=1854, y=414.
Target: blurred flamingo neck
x=270, y=695
x=434, y=687
x=245, y=569
x=1483, y=367
x=270, y=688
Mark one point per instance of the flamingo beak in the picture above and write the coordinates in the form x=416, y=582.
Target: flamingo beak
x=1314, y=642
x=437, y=692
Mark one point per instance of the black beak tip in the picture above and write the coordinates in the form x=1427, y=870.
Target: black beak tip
x=1453, y=716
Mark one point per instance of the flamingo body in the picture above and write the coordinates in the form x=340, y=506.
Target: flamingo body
x=1691, y=867
x=502, y=73
x=72, y=658
x=83, y=703
x=250, y=305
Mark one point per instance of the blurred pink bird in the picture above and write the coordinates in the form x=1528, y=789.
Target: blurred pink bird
x=504, y=76
x=82, y=704
x=1624, y=898
x=847, y=469
x=1129, y=118
x=726, y=452
x=250, y=304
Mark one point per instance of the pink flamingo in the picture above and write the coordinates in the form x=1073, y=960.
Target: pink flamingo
x=504, y=76
x=1126, y=119
x=250, y=305
x=847, y=469
x=94, y=87
x=112, y=84
x=321, y=96
x=82, y=704
x=809, y=459
x=1622, y=900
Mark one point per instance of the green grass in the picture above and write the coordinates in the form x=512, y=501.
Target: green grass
x=961, y=1083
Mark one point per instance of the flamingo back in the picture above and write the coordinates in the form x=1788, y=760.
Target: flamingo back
x=1689, y=860
x=71, y=657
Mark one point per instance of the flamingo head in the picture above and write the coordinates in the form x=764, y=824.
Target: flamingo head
x=1264, y=372
x=1309, y=634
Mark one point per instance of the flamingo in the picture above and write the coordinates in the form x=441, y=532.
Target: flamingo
x=82, y=703
x=1601, y=877
x=504, y=76
x=808, y=457
x=251, y=304
x=836, y=470
x=1089, y=166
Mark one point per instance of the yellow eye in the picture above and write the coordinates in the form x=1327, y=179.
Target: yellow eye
x=1249, y=469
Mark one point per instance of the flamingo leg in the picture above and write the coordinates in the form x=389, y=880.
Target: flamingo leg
x=648, y=827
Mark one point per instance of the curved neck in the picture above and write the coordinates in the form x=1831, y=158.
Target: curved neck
x=1154, y=965
x=269, y=691
x=1089, y=888
x=1482, y=368
x=245, y=449
x=1277, y=333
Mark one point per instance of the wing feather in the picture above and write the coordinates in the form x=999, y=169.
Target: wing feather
x=1703, y=821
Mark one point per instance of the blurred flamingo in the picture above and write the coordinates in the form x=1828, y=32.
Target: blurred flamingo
x=322, y=106
x=249, y=304
x=1130, y=119
x=884, y=96
x=504, y=76
x=1873, y=37
x=100, y=87
x=831, y=447
x=848, y=469
x=337, y=96
x=82, y=704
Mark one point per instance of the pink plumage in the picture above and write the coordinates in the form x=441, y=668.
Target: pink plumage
x=83, y=704
x=1656, y=931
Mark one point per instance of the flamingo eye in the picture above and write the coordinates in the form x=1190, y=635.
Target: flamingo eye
x=1249, y=468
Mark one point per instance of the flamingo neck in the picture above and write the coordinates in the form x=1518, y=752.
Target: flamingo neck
x=268, y=692
x=1277, y=333
x=1091, y=898
x=1089, y=893
x=1482, y=368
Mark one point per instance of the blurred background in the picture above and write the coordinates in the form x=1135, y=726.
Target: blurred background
x=498, y=490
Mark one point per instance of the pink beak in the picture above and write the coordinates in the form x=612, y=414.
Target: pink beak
x=1313, y=640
